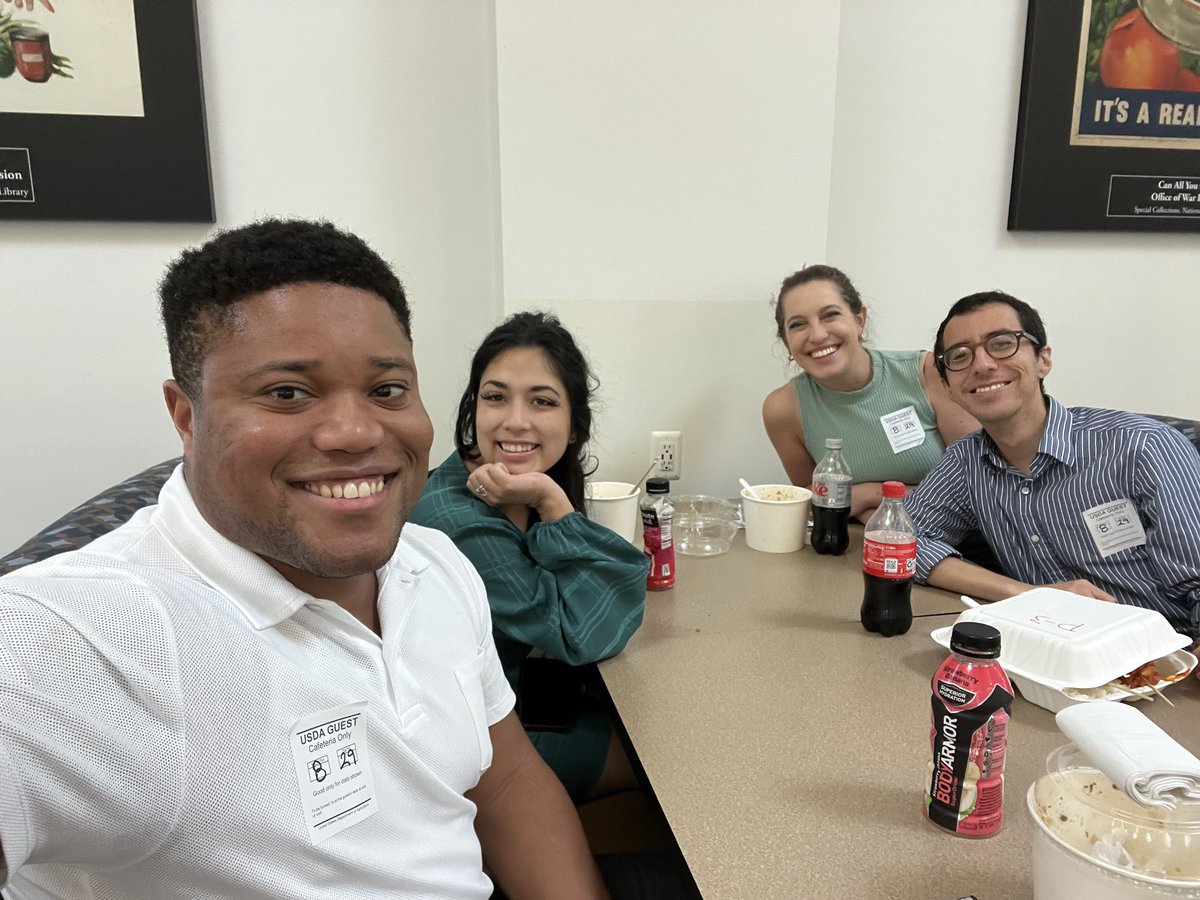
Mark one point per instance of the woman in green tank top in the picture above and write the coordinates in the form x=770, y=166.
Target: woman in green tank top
x=890, y=407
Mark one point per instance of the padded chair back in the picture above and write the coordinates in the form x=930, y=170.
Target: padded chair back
x=1189, y=427
x=89, y=520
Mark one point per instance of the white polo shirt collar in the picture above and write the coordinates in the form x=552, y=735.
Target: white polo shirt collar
x=246, y=580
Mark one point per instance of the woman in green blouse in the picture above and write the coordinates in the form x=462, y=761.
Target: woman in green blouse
x=890, y=406
x=511, y=498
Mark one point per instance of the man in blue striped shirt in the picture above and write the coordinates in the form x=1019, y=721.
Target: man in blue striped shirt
x=1093, y=501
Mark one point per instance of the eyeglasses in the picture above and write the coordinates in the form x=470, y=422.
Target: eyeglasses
x=998, y=346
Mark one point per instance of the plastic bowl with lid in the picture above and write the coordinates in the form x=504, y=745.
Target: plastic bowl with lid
x=706, y=507
x=1091, y=840
x=704, y=525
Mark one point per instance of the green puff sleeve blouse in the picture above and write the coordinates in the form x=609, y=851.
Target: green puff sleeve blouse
x=571, y=588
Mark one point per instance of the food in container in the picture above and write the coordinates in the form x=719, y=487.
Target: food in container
x=1091, y=840
x=1060, y=648
x=1142, y=681
x=780, y=493
x=776, y=516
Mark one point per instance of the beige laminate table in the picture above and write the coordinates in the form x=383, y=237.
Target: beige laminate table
x=787, y=746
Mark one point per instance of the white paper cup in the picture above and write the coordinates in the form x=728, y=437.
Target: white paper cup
x=776, y=524
x=614, y=504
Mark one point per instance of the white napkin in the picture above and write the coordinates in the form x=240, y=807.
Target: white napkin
x=1142, y=759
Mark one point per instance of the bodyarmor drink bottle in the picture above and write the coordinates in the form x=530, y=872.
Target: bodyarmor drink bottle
x=971, y=703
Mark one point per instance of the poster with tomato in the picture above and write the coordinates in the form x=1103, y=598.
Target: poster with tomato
x=70, y=57
x=102, y=112
x=1109, y=117
x=1139, y=75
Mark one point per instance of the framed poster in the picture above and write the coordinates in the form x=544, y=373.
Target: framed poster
x=102, y=112
x=1109, y=122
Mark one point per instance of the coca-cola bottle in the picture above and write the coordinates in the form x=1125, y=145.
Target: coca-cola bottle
x=831, y=501
x=889, y=563
x=971, y=703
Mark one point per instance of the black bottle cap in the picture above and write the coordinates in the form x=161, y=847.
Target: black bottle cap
x=658, y=486
x=975, y=639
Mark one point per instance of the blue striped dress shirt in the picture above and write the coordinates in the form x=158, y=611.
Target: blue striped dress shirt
x=1087, y=458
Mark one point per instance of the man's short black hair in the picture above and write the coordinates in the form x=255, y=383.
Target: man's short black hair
x=200, y=290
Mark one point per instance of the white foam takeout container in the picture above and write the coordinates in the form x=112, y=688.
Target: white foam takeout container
x=1052, y=640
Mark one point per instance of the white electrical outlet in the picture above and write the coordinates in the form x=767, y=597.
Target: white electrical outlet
x=666, y=449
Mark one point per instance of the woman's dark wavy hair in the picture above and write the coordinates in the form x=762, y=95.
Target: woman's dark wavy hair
x=544, y=331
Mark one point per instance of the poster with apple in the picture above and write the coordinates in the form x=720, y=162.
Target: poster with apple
x=1138, y=82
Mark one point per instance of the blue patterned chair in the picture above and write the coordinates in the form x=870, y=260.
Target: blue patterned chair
x=1189, y=427
x=89, y=520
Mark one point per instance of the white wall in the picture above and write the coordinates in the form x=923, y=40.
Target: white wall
x=650, y=171
x=927, y=99
x=663, y=166
x=395, y=142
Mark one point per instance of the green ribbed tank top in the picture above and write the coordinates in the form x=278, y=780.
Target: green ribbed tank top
x=854, y=416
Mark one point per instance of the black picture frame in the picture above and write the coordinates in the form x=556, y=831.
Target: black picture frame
x=153, y=168
x=1066, y=186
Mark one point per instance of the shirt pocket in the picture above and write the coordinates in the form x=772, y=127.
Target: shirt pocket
x=469, y=675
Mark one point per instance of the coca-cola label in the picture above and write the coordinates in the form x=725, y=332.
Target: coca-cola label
x=965, y=790
x=886, y=559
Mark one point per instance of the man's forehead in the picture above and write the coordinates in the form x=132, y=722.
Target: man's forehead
x=302, y=326
x=297, y=305
x=980, y=322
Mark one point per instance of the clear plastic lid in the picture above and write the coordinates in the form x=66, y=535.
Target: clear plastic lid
x=1081, y=808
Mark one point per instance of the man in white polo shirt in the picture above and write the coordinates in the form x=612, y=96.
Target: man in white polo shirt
x=268, y=685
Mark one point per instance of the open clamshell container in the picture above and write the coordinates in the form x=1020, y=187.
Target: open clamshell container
x=1053, y=641
x=1091, y=840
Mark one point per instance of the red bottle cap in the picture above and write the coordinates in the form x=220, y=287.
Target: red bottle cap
x=893, y=489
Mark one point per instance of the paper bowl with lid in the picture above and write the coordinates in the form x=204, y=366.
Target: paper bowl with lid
x=1061, y=648
x=1091, y=840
